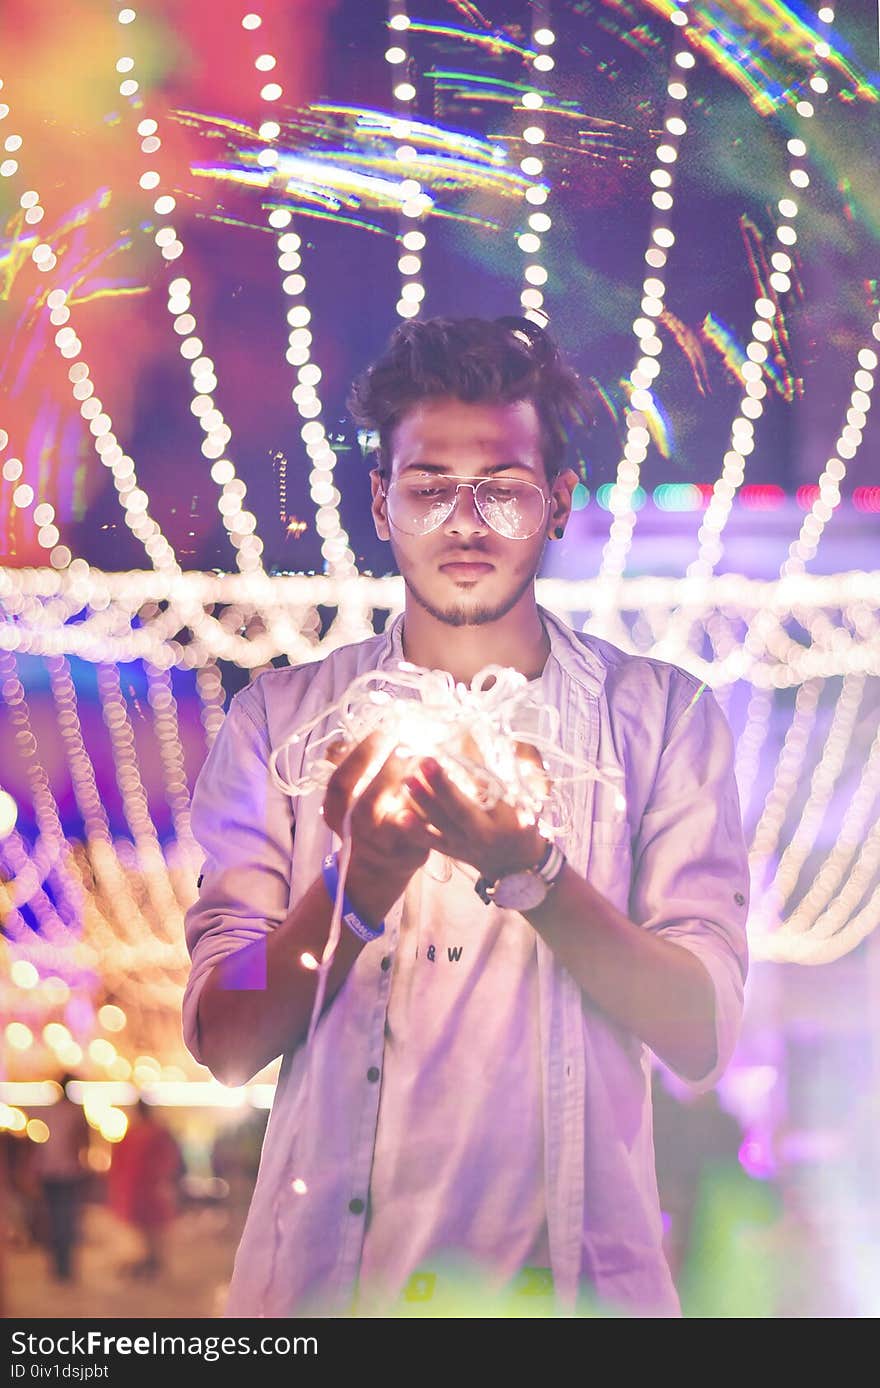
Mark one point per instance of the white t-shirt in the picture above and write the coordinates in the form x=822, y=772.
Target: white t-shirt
x=457, y=1184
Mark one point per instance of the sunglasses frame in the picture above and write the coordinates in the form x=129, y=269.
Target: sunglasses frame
x=474, y=484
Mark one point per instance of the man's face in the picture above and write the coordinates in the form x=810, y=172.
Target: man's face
x=470, y=440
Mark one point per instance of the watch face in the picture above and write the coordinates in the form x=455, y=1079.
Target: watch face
x=520, y=891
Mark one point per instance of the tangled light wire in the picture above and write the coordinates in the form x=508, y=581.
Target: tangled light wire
x=473, y=731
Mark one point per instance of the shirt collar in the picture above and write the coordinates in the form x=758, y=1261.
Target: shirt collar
x=573, y=655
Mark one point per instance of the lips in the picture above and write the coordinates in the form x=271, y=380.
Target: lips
x=466, y=568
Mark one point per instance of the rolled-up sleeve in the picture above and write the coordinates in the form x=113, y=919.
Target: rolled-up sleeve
x=691, y=880
x=244, y=825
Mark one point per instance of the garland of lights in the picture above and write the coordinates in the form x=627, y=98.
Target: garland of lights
x=822, y=784
x=415, y=203
x=48, y=534
x=69, y=345
x=474, y=733
x=764, y=330
x=425, y=712
x=335, y=545
x=536, y=192
x=650, y=345
x=238, y=522
x=38, y=605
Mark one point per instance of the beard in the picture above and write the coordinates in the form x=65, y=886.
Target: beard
x=462, y=613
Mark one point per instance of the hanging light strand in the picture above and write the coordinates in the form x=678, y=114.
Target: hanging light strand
x=537, y=191
x=645, y=327
x=236, y=518
x=768, y=312
x=134, y=501
x=335, y=544
x=43, y=514
x=415, y=203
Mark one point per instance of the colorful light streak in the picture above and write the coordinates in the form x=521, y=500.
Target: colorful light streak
x=492, y=43
x=363, y=173
x=755, y=43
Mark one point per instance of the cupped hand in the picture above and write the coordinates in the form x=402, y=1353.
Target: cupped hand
x=495, y=841
x=365, y=797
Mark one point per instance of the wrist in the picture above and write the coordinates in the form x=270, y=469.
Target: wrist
x=353, y=916
x=522, y=856
x=373, y=890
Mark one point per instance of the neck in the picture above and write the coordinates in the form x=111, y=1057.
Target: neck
x=518, y=640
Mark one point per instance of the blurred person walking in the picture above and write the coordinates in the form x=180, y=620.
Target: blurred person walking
x=59, y=1165
x=142, y=1186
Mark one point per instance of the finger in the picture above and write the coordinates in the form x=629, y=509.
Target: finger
x=532, y=766
x=422, y=803
x=445, y=805
x=337, y=750
x=352, y=775
x=527, y=752
x=382, y=797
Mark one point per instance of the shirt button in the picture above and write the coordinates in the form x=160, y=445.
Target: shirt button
x=356, y=1206
x=373, y=1074
x=386, y=963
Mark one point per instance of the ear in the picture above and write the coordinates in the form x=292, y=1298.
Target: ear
x=560, y=501
x=377, y=506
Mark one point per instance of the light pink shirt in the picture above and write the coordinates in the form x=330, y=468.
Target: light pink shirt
x=675, y=863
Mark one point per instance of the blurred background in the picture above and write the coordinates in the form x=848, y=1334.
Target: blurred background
x=212, y=219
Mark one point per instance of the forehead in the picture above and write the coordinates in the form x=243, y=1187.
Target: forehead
x=466, y=437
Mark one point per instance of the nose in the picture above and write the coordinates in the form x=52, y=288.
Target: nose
x=464, y=518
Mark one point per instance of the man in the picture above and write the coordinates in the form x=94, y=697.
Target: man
x=478, y=1093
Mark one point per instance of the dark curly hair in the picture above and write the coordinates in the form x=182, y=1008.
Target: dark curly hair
x=497, y=360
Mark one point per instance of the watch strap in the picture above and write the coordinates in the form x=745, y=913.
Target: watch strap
x=548, y=869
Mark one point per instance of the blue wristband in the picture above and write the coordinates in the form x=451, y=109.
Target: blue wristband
x=330, y=869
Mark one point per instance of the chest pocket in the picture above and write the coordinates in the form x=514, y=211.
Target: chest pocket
x=610, y=868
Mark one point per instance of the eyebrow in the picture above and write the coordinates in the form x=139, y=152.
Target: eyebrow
x=487, y=472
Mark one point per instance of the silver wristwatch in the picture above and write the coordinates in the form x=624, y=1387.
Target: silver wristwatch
x=523, y=891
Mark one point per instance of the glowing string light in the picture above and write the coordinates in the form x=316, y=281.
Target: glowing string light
x=825, y=924
x=649, y=344
x=472, y=731
x=150, y=858
x=124, y=922
x=335, y=545
x=536, y=194
x=171, y=757
x=823, y=781
x=751, y=408
x=95, y=414
x=414, y=203
x=426, y=712
x=829, y=495
x=786, y=779
x=239, y=523
x=43, y=514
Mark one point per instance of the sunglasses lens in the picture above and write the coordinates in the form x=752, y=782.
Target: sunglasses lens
x=514, y=509
x=418, y=505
